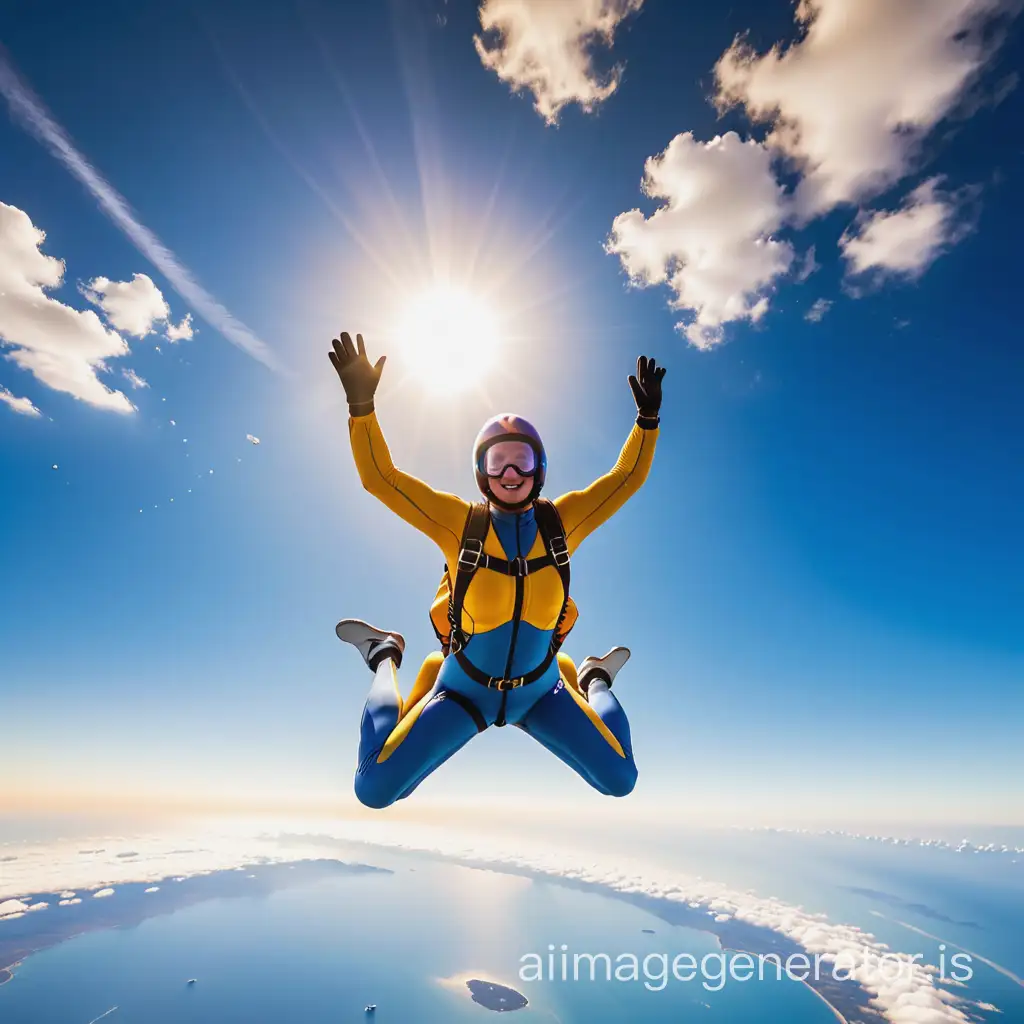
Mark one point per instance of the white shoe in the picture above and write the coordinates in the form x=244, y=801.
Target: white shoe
x=372, y=643
x=605, y=668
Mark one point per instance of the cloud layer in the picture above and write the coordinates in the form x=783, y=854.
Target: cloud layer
x=911, y=997
x=546, y=48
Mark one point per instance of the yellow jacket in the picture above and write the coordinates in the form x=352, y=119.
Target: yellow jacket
x=491, y=596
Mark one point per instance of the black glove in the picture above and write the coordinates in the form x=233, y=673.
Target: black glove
x=646, y=387
x=358, y=377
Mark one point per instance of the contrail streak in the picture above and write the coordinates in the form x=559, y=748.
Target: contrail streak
x=102, y=1015
x=27, y=108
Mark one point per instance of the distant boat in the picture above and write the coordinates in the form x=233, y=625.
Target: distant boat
x=369, y=1008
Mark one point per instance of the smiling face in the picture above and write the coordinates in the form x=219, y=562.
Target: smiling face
x=509, y=462
x=511, y=487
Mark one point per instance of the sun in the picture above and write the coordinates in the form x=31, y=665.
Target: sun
x=449, y=338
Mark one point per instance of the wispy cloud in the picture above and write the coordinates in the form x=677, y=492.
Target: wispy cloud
x=818, y=310
x=23, y=406
x=27, y=108
x=134, y=379
x=906, y=241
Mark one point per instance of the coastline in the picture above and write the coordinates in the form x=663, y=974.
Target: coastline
x=136, y=902
x=834, y=1009
x=7, y=970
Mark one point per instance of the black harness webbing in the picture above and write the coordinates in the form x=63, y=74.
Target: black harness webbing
x=472, y=558
x=468, y=706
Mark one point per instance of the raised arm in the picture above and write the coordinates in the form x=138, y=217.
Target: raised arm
x=583, y=511
x=440, y=516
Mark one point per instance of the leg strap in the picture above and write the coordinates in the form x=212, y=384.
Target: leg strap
x=468, y=706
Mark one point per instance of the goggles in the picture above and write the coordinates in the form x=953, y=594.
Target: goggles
x=517, y=454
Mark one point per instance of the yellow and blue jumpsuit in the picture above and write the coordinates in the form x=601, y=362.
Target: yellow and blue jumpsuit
x=510, y=622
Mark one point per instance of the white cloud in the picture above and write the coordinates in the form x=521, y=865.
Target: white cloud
x=818, y=310
x=70, y=902
x=852, y=98
x=19, y=405
x=102, y=893
x=63, y=347
x=182, y=331
x=152, y=888
x=711, y=239
x=27, y=108
x=905, y=242
x=130, y=306
x=911, y=997
x=849, y=104
x=12, y=908
x=134, y=379
x=546, y=48
x=807, y=266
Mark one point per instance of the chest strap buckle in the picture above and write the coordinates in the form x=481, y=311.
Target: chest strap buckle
x=471, y=555
x=505, y=684
x=559, y=551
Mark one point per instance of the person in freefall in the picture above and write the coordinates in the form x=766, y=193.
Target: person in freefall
x=502, y=610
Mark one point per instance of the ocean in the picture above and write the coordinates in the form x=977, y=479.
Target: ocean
x=406, y=941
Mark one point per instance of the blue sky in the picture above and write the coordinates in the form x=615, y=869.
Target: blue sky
x=820, y=582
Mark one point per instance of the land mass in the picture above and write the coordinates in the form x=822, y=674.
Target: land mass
x=131, y=904
x=848, y=999
x=499, y=998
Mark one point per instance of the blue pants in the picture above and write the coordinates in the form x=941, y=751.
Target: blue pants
x=400, y=746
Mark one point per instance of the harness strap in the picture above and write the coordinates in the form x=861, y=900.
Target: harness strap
x=515, y=566
x=479, y=676
x=549, y=523
x=472, y=557
x=474, y=533
x=468, y=706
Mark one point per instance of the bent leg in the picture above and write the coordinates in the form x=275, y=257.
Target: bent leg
x=591, y=737
x=424, y=680
x=397, y=750
x=567, y=670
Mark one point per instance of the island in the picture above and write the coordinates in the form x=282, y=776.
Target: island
x=499, y=998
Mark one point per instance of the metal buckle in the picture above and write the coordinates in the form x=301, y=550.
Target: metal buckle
x=471, y=555
x=504, y=684
x=520, y=565
x=559, y=551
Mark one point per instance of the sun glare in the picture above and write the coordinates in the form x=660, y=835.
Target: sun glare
x=449, y=339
